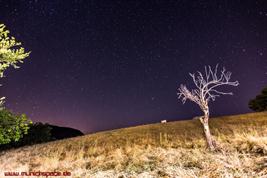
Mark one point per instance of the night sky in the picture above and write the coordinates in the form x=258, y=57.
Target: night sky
x=99, y=64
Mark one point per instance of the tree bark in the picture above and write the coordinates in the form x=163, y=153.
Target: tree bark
x=205, y=123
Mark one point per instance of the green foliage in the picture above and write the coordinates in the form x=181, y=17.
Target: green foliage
x=11, y=53
x=37, y=133
x=260, y=102
x=12, y=126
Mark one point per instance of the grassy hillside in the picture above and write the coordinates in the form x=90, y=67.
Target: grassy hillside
x=174, y=149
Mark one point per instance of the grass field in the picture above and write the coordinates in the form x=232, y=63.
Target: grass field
x=172, y=149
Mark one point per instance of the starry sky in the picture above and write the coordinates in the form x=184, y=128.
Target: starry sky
x=98, y=64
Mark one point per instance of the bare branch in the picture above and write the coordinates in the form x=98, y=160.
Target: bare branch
x=207, y=89
x=185, y=94
x=206, y=85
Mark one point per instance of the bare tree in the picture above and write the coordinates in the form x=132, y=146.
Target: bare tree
x=207, y=90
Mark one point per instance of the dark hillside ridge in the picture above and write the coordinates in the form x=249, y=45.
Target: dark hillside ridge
x=58, y=132
x=42, y=133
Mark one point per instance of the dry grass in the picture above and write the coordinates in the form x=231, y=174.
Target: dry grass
x=175, y=149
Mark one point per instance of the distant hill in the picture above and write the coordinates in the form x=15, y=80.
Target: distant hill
x=58, y=132
x=161, y=150
x=41, y=133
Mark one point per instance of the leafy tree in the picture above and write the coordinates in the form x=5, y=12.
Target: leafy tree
x=260, y=102
x=206, y=90
x=12, y=127
x=37, y=133
x=11, y=53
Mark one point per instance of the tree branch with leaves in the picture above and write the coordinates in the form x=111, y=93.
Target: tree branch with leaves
x=11, y=53
x=12, y=126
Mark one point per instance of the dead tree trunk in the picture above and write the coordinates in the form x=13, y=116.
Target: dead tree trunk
x=206, y=90
x=205, y=122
